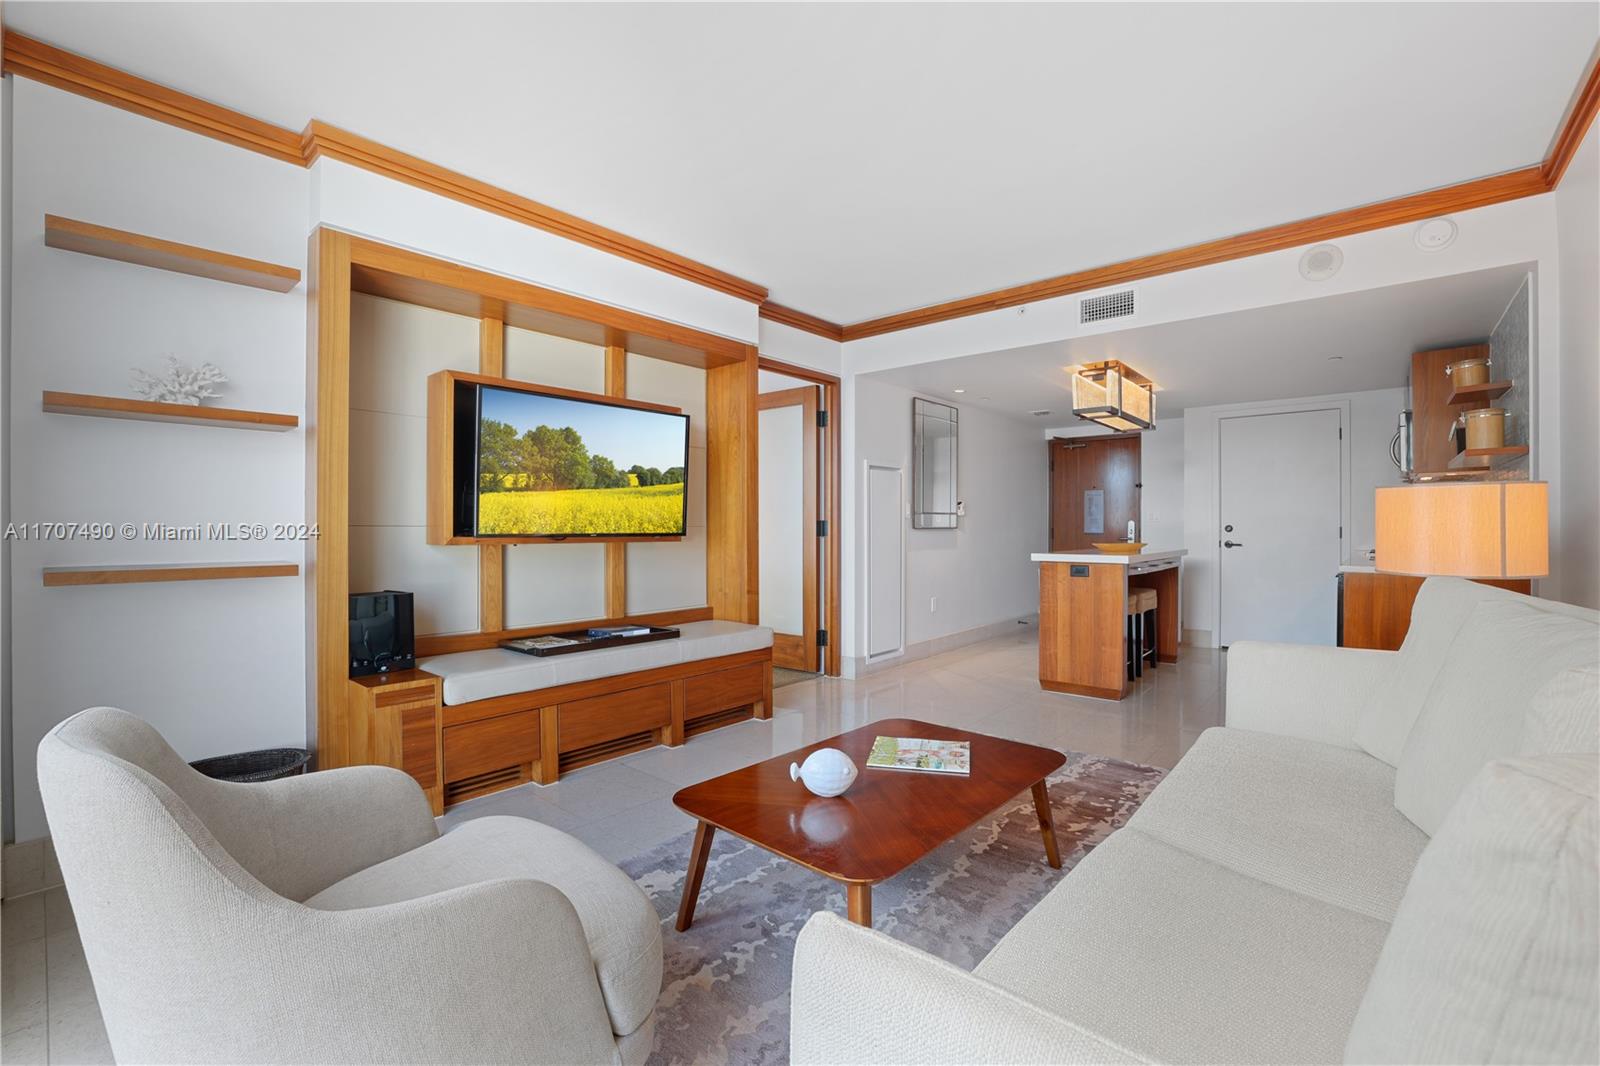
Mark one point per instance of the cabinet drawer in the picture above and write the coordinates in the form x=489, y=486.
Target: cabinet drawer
x=582, y=723
x=491, y=744
x=722, y=690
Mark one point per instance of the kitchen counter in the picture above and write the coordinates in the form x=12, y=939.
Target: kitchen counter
x=1083, y=616
x=1094, y=555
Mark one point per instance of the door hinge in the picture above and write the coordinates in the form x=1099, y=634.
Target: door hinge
x=822, y=527
x=1341, y=433
x=822, y=420
x=1341, y=532
x=822, y=638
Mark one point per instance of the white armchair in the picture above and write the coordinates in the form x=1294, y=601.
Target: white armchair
x=323, y=918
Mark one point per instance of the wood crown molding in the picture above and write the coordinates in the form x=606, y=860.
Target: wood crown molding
x=1579, y=117
x=320, y=140
x=34, y=59
x=30, y=58
x=788, y=316
x=1512, y=185
x=65, y=70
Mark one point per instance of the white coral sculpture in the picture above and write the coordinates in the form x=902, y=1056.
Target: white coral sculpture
x=180, y=384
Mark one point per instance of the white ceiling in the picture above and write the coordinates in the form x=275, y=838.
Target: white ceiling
x=1269, y=353
x=864, y=159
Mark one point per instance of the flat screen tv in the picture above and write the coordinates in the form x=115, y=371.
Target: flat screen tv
x=533, y=464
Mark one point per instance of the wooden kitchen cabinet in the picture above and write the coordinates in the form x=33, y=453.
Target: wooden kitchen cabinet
x=1375, y=609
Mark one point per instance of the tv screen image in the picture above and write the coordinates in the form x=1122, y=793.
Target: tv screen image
x=554, y=466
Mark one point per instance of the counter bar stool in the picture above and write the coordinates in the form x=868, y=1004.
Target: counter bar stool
x=1141, y=630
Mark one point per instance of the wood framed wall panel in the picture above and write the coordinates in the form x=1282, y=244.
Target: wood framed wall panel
x=617, y=552
x=328, y=493
x=832, y=438
x=412, y=277
x=491, y=557
x=798, y=650
x=732, y=525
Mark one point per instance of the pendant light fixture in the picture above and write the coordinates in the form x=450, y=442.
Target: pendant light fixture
x=1114, y=396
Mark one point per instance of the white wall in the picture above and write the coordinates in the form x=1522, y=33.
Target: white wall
x=1369, y=421
x=980, y=572
x=1578, y=223
x=217, y=666
x=1160, y=472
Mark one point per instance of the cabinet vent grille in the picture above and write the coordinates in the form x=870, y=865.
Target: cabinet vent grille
x=1110, y=305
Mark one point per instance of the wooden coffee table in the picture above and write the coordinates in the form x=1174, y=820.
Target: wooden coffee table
x=885, y=822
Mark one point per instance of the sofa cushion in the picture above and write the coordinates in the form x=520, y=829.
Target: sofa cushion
x=1179, y=959
x=1565, y=715
x=491, y=672
x=1504, y=654
x=1308, y=817
x=1440, y=610
x=1493, y=955
x=618, y=921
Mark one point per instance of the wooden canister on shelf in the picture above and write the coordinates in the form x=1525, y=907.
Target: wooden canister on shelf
x=1464, y=372
x=1486, y=427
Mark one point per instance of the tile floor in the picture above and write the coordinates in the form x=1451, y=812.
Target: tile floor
x=624, y=807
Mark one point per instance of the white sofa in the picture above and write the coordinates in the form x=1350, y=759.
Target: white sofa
x=1383, y=857
x=323, y=919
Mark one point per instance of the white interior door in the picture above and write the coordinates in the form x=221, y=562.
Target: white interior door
x=1280, y=514
x=885, y=561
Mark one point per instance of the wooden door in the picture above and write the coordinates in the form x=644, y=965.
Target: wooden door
x=790, y=548
x=1094, y=490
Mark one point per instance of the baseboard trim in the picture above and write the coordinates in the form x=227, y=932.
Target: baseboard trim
x=859, y=666
x=29, y=866
x=1198, y=638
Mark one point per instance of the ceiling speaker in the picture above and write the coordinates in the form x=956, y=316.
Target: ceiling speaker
x=1321, y=262
x=1435, y=234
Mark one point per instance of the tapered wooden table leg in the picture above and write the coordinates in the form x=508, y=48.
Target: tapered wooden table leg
x=1047, y=823
x=859, y=898
x=697, y=870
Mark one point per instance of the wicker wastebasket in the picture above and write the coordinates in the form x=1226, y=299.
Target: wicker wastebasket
x=268, y=764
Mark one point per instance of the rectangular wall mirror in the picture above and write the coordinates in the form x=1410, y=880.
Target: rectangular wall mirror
x=933, y=464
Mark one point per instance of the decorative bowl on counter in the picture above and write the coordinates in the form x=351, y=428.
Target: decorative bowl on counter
x=1121, y=547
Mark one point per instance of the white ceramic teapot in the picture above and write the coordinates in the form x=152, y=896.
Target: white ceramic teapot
x=826, y=771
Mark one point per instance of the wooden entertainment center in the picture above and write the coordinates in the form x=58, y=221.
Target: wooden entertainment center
x=468, y=749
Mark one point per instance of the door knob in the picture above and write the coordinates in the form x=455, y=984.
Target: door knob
x=1232, y=544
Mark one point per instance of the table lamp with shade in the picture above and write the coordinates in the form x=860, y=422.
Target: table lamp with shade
x=1472, y=529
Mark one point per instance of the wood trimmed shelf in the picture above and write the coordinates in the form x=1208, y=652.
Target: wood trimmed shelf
x=1487, y=453
x=140, y=573
x=71, y=235
x=77, y=403
x=1489, y=390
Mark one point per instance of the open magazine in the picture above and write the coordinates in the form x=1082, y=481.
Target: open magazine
x=927, y=756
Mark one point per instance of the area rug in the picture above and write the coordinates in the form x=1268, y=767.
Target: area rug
x=726, y=993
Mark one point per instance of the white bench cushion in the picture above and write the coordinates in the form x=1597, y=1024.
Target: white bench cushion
x=482, y=675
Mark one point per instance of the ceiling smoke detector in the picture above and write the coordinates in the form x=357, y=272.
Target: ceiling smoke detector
x=1435, y=234
x=1321, y=262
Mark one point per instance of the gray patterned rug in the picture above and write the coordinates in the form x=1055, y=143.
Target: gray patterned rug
x=726, y=994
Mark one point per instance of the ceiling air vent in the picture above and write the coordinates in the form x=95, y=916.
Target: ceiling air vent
x=1100, y=308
